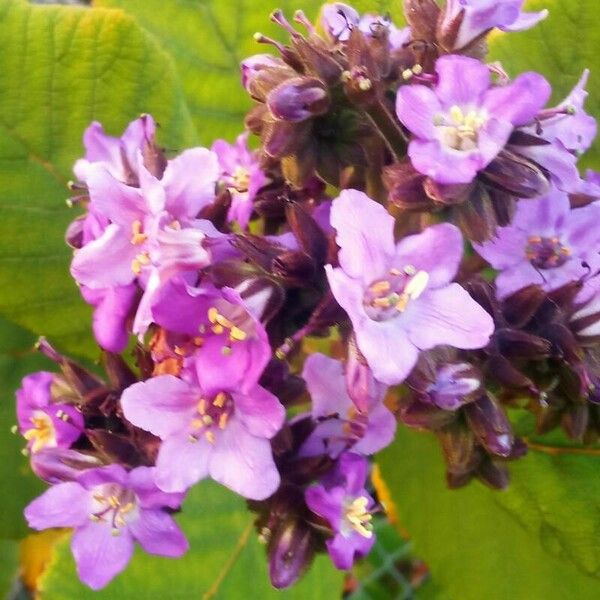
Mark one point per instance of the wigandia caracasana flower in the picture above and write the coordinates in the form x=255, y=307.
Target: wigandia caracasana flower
x=340, y=426
x=547, y=243
x=342, y=500
x=43, y=422
x=209, y=427
x=399, y=297
x=462, y=124
x=110, y=509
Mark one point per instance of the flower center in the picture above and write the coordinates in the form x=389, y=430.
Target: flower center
x=42, y=433
x=388, y=297
x=235, y=327
x=211, y=416
x=358, y=517
x=241, y=179
x=114, y=505
x=546, y=253
x=459, y=129
x=137, y=236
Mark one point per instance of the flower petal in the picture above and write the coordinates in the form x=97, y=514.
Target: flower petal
x=326, y=384
x=157, y=533
x=416, y=107
x=181, y=463
x=99, y=555
x=63, y=505
x=260, y=411
x=462, y=80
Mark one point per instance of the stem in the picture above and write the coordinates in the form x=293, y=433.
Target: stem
x=388, y=128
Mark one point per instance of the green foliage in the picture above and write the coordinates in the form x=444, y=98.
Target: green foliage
x=225, y=562
x=538, y=539
x=560, y=47
x=19, y=485
x=61, y=68
x=9, y=566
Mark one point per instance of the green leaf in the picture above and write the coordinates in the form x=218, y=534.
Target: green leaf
x=225, y=561
x=209, y=38
x=560, y=47
x=538, y=539
x=9, y=566
x=60, y=68
x=19, y=485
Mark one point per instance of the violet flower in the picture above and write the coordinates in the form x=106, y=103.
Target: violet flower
x=547, y=244
x=342, y=500
x=462, y=124
x=464, y=21
x=110, y=509
x=209, y=427
x=242, y=176
x=338, y=20
x=223, y=334
x=117, y=155
x=42, y=422
x=340, y=426
x=399, y=297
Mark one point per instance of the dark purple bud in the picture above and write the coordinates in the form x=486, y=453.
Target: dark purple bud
x=114, y=447
x=520, y=307
x=501, y=369
x=491, y=426
x=493, y=473
x=311, y=237
x=298, y=99
x=291, y=551
x=362, y=387
x=294, y=268
x=405, y=186
x=277, y=379
x=422, y=415
x=513, y=343
x=120, y=375
x=56, y=465
x=515, y=174
x=253, y=64
x=422, y=16
x=460, y=450
x=575, y=421
x=566, y=346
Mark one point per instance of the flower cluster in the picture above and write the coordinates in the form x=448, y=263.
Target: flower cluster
x=408, y=202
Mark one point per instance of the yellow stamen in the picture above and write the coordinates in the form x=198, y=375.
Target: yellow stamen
x=381, y=287
x=202, y=404
x=236, y=334
x=210, y=436
x=137, y=237
x=223, y=420
x=220, y=400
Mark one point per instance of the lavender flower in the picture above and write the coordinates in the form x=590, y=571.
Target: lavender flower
x=400, y=298
x=462, y=124
x=464, y=21
x=547, y=244
x=42, y=422
x=341, y=499
x=340, y=425
x=242, y=176
x=110, y=509
x=209, y=427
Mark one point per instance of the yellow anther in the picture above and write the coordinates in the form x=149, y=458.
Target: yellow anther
x=457, y=115
x=407, y=74
x=217, y=329
x=226, y=350
x=179, y=351
x=115, y=532
x=410, y=270
x=237, y=334
x=137, y=237
x=197, y=423
x=365, y=84
x=212, y=314
x=139, y=261
x=401, y=305
x=207, y=420
x=381, y=287
x=224, y=321
x=381, y=302
x=241, y=179
x=395, y=272
x=198, y=341
x=201, y=406
x=175, y=225
x=210, y=436
x=127, y=508
x=359, y=517
x=417, y=69
x=113, y=502
x=220, y=400
x=42, y=433
x=223, y=420
x=95, y=518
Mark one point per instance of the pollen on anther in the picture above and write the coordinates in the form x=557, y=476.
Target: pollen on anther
x=220, y=400
x=210, y=436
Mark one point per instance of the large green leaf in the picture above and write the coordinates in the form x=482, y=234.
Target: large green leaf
x=209, y=38
x=61, y=67
x=225, y=562
x=560, y=47
x=9, y=563
x=538, y=539
x=19, y=485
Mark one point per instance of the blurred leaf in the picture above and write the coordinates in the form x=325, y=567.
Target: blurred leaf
x=9, y=566
x=209, y=38
x=19, y=485
x=61, y=67
x=560, y=47
x=225, y=561
x=36, y=552
x=538, y=539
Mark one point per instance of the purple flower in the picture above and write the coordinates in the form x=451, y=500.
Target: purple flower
x=242, y=176
x=253, y=64
x=117, y=155
x=342, y=500
x=339, y=19
x=399, y=297
x=340, y=426
x=568, y=123
x=110, y=509
x=547, y=244
x=464, y=21
x=145, y=220
x=209, y=427
x=223, y=334
x=462, y=124
x=42, y=422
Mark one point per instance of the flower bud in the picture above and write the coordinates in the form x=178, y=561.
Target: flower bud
x=491, y=426
x=298, y=99
x=290, y=553
x=57, y=465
